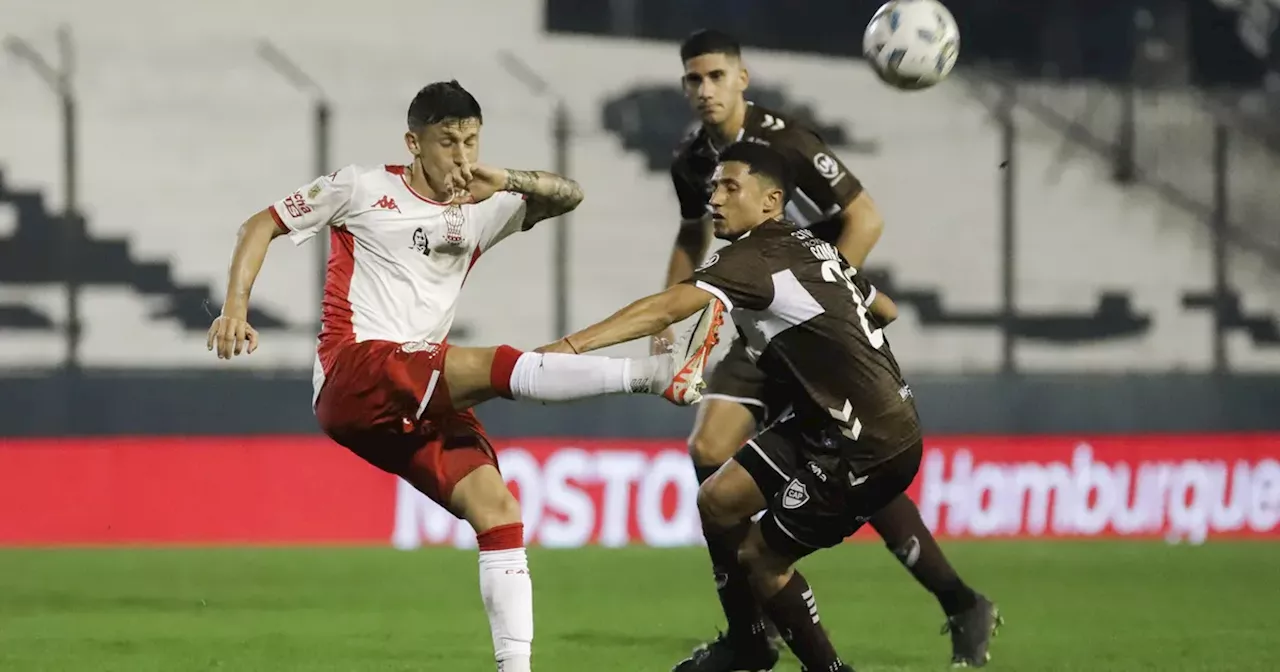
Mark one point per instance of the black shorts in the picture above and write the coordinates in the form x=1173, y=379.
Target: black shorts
x=815, y=498
x=736, y=378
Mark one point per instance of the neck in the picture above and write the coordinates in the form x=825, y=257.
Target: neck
x=769, y=217
x=419, y=182
x=766, y=220
x=727, y=131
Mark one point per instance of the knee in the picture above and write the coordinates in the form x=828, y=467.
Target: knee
x=493, y=509
x=502, y=511
x=711, y=449
x=715, y=511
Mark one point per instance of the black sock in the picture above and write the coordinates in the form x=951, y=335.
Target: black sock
x=904, y=532
x=741, y=609
x=795, y=612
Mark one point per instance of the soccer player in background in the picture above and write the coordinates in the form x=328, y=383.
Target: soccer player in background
x=387, y=385
x=831, y=202
x=851, y=442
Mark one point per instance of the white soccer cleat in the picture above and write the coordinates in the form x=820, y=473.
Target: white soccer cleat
x=691, y=360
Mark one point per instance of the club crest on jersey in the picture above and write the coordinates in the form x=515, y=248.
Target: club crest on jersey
x=827, y=166
x=420, y=244
x=454, y=219
x=711, y=261
x=795, y=495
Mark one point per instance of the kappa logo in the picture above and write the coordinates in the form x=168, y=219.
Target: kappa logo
x=795, y=495
x=386, y=203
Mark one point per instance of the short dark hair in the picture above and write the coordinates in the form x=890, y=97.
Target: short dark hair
x=763, y=161
x=709, y=42
x=441, y=101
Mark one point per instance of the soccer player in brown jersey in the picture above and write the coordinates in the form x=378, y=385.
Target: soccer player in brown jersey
x=849, y=444
x=831, y=202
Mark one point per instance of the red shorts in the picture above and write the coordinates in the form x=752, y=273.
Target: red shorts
x=388, y=403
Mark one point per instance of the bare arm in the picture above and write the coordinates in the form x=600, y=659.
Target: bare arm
x=645, y=317
x=692, y=241
x=549, y=195
x=861, y=228
x=231, y=333
x=246, y=260
x=884, y=309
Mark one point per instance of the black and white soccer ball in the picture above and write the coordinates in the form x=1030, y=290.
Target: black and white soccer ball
x=912, y=44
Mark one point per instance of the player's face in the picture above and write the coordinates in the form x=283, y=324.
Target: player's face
x=714, y=85
x=445, y=149
x=741, y=201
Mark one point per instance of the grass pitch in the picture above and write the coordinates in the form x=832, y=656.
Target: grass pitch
x=1069, y=606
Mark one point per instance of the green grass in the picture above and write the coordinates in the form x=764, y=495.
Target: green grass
x=1069, y=606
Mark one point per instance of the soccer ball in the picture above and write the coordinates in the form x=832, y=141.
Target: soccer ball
x=912, y=44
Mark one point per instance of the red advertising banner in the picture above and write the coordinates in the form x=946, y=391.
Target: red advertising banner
x=306, y=490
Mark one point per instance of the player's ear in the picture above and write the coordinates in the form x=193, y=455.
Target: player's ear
x=744, y=77
x=775, y=198
x=411, y=142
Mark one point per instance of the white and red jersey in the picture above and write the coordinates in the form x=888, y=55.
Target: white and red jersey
x=397, y=259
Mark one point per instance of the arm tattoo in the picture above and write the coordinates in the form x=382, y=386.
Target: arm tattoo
x=549, y=195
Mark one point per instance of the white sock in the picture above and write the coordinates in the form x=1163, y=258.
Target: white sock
x=557, y=377
x=507, y=591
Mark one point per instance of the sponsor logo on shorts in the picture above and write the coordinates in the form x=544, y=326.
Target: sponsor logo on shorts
x=795, y=495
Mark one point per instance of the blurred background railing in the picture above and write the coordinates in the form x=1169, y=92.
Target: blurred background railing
x=1083, y=220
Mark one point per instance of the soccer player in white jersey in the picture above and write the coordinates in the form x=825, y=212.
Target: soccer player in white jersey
x=387, y=385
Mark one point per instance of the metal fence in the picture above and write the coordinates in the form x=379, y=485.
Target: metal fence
x=1145, y=126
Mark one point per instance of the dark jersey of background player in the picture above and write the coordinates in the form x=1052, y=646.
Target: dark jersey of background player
x=824, y=185
x=804, y=315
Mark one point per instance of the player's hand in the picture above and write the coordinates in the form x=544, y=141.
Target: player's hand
x=559, y=347
x=662, y=343
x=483, y=181
x=232, y=336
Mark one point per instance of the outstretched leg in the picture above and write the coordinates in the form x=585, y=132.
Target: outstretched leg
x=476, y=375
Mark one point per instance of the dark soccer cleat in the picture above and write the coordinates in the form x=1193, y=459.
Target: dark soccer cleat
x=971, y=632
x=725, y=655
